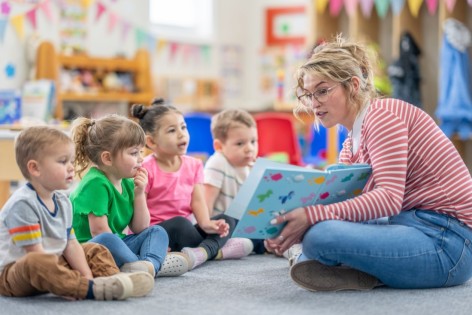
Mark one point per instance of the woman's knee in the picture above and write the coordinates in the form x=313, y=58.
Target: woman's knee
x=323, y=235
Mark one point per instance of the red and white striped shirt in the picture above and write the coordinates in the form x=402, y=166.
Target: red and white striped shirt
x=414, y=165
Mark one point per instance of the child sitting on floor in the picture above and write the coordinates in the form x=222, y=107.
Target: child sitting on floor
x=235, y=142
x=175, y=190
x=110, y=198
x=39, y=252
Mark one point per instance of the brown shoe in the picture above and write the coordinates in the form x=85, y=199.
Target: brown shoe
x=314, y=276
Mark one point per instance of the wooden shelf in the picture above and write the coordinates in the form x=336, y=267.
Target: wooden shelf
x=105, y=97
x=50, y=64
x=85, y=62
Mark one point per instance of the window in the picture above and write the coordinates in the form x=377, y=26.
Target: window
x=182, y=18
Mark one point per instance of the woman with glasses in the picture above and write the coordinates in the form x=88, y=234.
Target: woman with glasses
x=411, y=227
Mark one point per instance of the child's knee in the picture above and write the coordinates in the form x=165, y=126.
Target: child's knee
x=159, y=231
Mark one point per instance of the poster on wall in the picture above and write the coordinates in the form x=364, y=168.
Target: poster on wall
x=73, y=26
x=231, y=70
x=286, y=26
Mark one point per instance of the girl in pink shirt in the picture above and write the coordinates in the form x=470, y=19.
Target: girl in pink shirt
x=411, y=227
x=174, y=193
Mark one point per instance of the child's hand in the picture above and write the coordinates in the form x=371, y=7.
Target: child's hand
x=219, y=227
x=140, y=181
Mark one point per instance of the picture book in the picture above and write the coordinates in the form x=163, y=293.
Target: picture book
x=272, y=189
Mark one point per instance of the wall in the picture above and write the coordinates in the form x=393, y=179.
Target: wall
x=238, y=23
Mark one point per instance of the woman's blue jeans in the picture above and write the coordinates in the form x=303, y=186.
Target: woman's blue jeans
x=151, y=244
x=415, y=249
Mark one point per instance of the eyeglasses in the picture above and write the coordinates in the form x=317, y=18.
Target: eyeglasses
x=321, y=95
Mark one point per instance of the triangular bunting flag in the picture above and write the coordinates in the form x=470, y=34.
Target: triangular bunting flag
x=125, y=27
x=31, y=16
x=321, y=6
x=397, y=6
x=3, y=27
x=151, y=44
x=174, y=47
x=86, y=3
x=335, y=7
x=100, y=9
x=18, y=24
x=415, y=6
x=351, y=6
x=432, y=6
x=5, y=8
x=161, y=43
x=140, y=37
x=382, y=7
x=206, y=53
x=366, y=7
x=450, y=5
x=46, y=8
x=112, y=19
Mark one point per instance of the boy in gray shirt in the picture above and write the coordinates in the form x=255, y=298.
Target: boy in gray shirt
x=38, y=249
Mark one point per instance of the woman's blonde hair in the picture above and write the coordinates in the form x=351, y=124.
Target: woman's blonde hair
x=112, y=133
x=340, y=61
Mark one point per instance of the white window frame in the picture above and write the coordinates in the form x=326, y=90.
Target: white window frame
x=201, y=29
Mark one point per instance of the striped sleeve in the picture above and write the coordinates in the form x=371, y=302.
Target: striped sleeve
x=23, y=225
x=26, y=234
x=386, y=141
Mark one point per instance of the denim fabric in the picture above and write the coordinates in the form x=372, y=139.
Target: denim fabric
x=454, y=109
x=151, y=244
x=415, y=249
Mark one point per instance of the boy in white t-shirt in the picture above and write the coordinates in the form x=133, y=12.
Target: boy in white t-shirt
x=235, y=141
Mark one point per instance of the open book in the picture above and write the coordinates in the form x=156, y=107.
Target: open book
x=272, y=189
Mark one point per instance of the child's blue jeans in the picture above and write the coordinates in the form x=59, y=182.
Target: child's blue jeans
x=151, y=244
x=415, y=249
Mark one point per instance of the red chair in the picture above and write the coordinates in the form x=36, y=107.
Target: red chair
x=277, y=134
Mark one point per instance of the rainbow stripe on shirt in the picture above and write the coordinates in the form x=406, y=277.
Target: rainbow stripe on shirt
x=29, y=234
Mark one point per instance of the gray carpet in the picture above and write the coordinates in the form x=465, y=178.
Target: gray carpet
x=257, y=284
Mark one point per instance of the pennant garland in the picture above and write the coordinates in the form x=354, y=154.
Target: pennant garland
x=3, y=27
x=100, y=10
x=112, y=20
x=397, y=6
x=450, y=5
x=382, y=7
x=415, y=6
x=5, y=8
x=432, y=6
x=335, y=7
x=321, y=6
x=366, y=7
x=351, y=6
x=31, y=16
x=18, y=24
x=46, y=8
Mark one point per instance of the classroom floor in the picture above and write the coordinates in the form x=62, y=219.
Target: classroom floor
x=258, y=284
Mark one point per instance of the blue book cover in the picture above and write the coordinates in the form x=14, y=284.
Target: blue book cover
x=275, y=188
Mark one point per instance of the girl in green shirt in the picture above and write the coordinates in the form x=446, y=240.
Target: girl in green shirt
x=109, y=203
